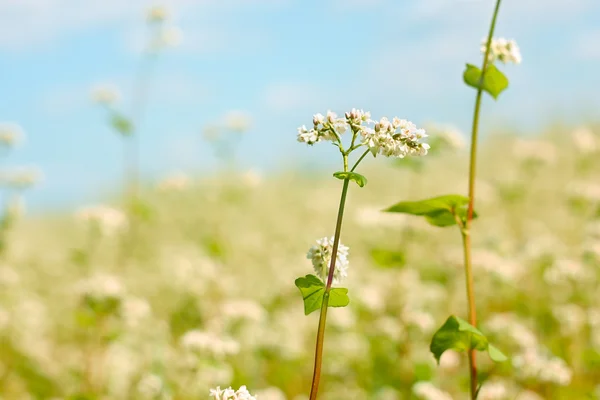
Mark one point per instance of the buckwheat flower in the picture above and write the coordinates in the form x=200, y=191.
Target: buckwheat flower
x=150, y=386
x=326, y=127
x=106, y=219
x=493, y=391
x=100, y=288
x=10, y=134
x=320, y=255
x=427, y=391
x=176, y=182
x=572, y=318
x=506, y=51
x=398, y=138
x=535, y=150
x=106, y=94
x=171, y=36
x=157, y=13
x=207, y=342
x=134, y=310
x=21, y=178
x=237, y=120
x=567, y=270
x=271, y=393
x=585, y=140
x=230, y=394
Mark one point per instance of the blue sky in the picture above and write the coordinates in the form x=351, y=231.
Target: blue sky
x=281, y=61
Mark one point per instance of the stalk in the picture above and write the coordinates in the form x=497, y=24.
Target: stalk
x=466, y=232
x=323, y=316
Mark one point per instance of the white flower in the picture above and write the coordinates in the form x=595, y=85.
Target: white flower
x=10, y=134
x=171, y=36
x=320, y=254
x=229, y=394
x=101, y=287
x=505, y=51
x=107, y=219
x=150, y=386
x=271, y=393
x=199, y=341
x=534, y=150
x=564, y=270
x=427, y=391
x=134, y=310
x=539, y=364
x=493, y=391
x=585, y=140
x=21, y=178
x=398, y=138
x=106, y=94
x=237, y=120
x=157, y=13
x=176, y=182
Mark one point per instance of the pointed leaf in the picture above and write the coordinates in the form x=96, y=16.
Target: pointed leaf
x=313, y=291
x=457, y=334
x=494, y=82
x=353, y=176
x=438, y=211
x=121, y=124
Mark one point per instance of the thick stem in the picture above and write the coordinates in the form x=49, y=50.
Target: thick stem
x=323, y=317
x=466, y=233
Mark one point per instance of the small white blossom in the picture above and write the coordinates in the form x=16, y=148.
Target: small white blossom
x=427, y=391
x=539, y=364
x=106, y=219
x=10, y=134
x=321, y=253
x=199, y=341
x=397, y=138
x=493, y=391
x=101, y=287
x=230, y=394
x=106, y=94
x=506, y=51
x=157, y=13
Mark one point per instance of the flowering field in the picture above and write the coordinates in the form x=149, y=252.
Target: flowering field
x=195, y=289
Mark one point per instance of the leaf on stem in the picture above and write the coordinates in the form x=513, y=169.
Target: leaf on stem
x=438, y=211
x=353, y=176
x=457, y=334
x=494, y=81
x=121, y=124
x=313, y=291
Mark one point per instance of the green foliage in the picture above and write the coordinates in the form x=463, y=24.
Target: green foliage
x=388, y=258
x=185, y=317
x=494, y=81
x=121, y=124
x=353, y=176
x=438, y=211
x=313, y=292
x=457, y=334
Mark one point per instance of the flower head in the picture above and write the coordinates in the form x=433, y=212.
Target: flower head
x=320, y=255
x=10, y=134
x=229, y=394
x=106, y=219
x=505, y=51
x=157, y=13
x=106, y=94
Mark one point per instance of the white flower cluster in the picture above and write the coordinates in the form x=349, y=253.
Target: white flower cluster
x=200, y=341
x=320, y=255
x=107, y=219
x=101, y=287
x=105, y=94
x=427, y=391
x=537, y=364
x=229, y=394
x=10, y=134
x=505, y=51
x=396, y=138
x=565, y=270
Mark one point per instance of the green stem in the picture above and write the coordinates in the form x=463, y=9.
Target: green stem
x=466, y=233
x=323, y=317
x=359, y=160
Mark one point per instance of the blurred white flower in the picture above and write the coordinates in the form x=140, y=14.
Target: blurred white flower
x=157, y=13
x=150, y=386
x=582, y=190
x=252, y=178
x=107, y=220
x=585, y=140
x=374, y=216
x=537, y=364
x=534, y=150
x=506, y=51
x=244, y=309
x=175, y=182
x=572, y=318
x=237, y=120
x=427, y=391
x=507, y=324
x=106, y=94
x=230, y=394
x=320, y=255
x=420, y=319
x=272, y=393
x=21, y=178
x=528, y=395
x=566, y=270
x=493, y=390
x=101, y=287
x=207, y=342
x=10, y=134
x=170, y=36
x=134, y=310
x=450, y=360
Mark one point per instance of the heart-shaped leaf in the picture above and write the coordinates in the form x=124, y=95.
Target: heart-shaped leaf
x=313, y=292
x=494, y=81
x=457, y=334
x=438, y=211
x=353, y=176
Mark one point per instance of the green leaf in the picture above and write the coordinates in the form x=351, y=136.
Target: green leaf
x=121, y=124
x=313, y=291
x=494, y=81
x=457, y=334
x=438, y=211
x=353, y=176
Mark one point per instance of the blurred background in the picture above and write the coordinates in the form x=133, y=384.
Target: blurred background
x=157, y=206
